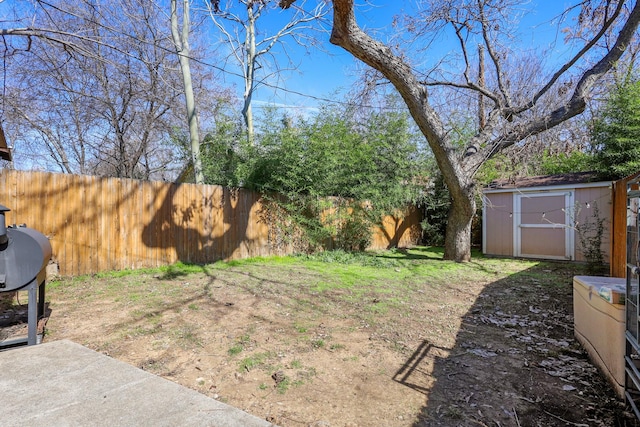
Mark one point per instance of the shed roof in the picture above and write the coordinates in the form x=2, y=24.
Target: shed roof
x=545, y=180
x=5, y=151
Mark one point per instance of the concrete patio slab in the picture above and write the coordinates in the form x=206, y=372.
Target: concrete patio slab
x=62, y=383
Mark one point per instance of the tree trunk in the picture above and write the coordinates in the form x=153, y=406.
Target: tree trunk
x=181, y=41
x=192, y=118
x=457, y=243
x=247, y=113
x=249, y=72
x=348, y=35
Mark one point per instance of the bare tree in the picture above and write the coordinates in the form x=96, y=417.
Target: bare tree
x=101, y=96
x=45, y=114
x=252, y=48
x=181, y=42
x=520, y=102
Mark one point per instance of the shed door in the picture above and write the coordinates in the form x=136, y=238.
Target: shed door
x=543, y=225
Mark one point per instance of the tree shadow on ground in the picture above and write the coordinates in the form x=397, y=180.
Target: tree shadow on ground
x=433, y=253
x=514, y=362
x=422, y=253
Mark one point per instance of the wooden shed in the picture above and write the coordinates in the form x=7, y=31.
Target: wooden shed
x=537, y=217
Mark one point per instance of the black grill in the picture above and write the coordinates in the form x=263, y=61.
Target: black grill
x=24, y=255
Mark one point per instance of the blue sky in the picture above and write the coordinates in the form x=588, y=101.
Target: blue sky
x=321, y=74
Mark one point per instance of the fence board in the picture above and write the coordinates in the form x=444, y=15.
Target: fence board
x=100, y=224
x=618, y=258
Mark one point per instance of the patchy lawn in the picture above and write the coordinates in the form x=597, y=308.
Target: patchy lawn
x=397, y=338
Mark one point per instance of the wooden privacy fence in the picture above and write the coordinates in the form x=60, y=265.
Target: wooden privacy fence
x=100, y=224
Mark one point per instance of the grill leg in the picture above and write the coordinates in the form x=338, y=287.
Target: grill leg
x=32, y=314
x=41, y=300
x=35, y=311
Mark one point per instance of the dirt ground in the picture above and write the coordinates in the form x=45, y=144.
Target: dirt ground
x=495, y=351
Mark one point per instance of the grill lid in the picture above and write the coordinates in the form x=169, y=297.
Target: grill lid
x=24, y=252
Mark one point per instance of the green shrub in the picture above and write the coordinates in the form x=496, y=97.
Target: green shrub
x=355, y=233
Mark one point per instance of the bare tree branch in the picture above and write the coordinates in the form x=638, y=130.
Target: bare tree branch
x=564, y=68
x=494, y=57
x=99, y=87
x=250, y=52
x=577, y=102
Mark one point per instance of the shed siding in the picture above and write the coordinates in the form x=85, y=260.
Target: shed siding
x=542, y=210
x=543, y=242
x=499, y=224
x=499, y=219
